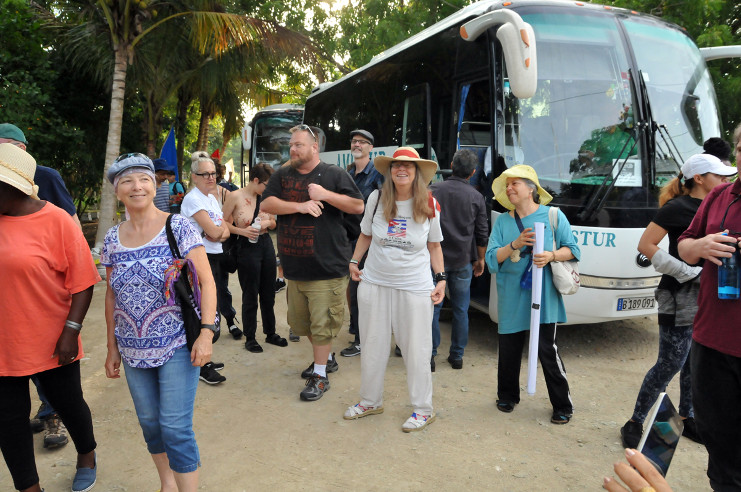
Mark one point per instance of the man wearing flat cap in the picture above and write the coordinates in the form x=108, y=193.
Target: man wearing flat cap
x=367, y=178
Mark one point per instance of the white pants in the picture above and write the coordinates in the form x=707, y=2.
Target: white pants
x=408, y=315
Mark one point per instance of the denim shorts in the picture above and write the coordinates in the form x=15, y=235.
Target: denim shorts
x=317, y=308
x=164, y=397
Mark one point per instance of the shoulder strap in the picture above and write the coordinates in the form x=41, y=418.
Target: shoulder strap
x=553, y=219
x=431, y=204
x=171, y=238
x=378, y=199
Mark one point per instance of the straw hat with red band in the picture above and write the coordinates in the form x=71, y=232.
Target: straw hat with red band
x=17, y=168
x=407, y=154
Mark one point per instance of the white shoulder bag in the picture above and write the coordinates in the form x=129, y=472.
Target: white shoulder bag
x=565, y=273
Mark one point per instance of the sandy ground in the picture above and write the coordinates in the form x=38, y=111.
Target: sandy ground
x=255, y=434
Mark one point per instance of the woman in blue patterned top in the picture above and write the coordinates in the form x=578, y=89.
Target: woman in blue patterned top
x=145, y=331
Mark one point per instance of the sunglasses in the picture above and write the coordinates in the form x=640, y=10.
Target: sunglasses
x=206, y=175
x=131, y=154
x=308, y=129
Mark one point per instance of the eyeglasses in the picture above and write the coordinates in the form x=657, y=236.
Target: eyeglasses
x=358, y=141
x=206, y=175
x=308, y=129
x=405, y=165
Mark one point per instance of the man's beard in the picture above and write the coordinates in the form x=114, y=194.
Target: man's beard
x=297, y=163
x=357, y=154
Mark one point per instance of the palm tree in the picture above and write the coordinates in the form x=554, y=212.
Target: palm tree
x=126, y=23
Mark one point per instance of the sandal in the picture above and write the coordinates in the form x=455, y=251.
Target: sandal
x=275, y=339
x=559, y=418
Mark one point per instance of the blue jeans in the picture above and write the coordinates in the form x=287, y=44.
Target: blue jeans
x=459, y=291
x=164, y=397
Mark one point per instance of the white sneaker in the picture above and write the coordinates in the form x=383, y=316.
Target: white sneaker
x=358, y=410
x=417, y=422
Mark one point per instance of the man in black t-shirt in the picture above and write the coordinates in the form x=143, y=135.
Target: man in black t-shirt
x=310, y=198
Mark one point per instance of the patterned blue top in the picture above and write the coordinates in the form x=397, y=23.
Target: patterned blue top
x=148, y=331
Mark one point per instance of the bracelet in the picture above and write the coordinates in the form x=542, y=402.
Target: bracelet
x=354, y=261
x=73, y=325
x=211, y=327
x=439, y=277
x=511, y=245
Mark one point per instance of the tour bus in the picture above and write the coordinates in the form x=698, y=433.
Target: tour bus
x=266, y=137
x=604, y=103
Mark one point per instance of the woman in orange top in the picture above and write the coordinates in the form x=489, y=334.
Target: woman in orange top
x=48, y=271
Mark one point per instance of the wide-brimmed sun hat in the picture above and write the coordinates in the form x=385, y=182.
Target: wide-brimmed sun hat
x=705, y=163
x=426, y=167
x=17, y=168
x=499, y=186
x=127, y=161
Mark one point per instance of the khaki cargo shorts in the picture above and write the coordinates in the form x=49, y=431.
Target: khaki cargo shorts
x=316, y=308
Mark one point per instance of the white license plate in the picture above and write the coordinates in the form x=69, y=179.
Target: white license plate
x=634, y=303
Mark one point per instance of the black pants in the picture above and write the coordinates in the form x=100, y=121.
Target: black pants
x=510, y=360
x=256, y=270
x=63, y=390
x=223, y=296
x=353, y=286
x=716, y=396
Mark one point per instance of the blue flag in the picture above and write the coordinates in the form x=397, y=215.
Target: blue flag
x=170, y=154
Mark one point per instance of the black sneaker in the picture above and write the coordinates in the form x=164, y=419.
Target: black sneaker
x=217, y=365
x=455, y=363
x=210, y=376
x=55, y=433
x=631, y=434
x=332, y=366
x=352, y=350
x=280, y=284
x=315, y=388
x=235, y=332
x=690, y=431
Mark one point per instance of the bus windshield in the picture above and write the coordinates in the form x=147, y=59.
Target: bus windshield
x=579, y=131
x=271, y=138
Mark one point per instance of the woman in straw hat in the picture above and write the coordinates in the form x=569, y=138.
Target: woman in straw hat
x=401, y=226
x=48, y=270
x=509, y=255
x=146, y=331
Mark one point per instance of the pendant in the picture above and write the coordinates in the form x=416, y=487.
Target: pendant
x=515, y=256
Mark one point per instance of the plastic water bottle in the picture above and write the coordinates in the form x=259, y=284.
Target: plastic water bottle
x=256, y=225
x=729, y=281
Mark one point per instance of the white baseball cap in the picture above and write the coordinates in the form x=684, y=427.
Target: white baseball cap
x=705, y=163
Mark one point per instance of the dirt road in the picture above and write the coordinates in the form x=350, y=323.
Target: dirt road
x=255, y=434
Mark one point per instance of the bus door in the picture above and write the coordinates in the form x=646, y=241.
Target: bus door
x=416, y=127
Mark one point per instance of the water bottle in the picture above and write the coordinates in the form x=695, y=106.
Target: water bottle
x=256, y=225
x=728, y=277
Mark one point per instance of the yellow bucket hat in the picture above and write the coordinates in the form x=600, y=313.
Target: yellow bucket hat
x=499, y=186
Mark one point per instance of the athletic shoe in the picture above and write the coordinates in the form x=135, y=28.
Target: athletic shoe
x=210, y=376
x=280, y=284
x=455, y=363
x=292, y=337
x=275, y=339
x=316, y=385
x=37, y=423
x=560, y=418
x=217, y=365
x=417, y=422
x=690, y=431
x=85, y=478
x=631, y=434
x=352, y=350
x=55, y=433
x=332, y=366
x=235, y=332
x=357, y=411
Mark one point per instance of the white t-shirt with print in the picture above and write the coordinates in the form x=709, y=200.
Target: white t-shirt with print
x=398, y=256
x=196, y=201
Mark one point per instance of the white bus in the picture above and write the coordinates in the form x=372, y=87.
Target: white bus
x=604, y=103
x=266, y=137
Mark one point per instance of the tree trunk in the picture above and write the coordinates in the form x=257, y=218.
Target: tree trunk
x=108, y=201
x=180, y=121
x=202, y=143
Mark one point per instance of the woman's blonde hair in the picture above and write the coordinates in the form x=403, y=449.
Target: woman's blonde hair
x=674, y=188
x=420, y=204
x=196, y=158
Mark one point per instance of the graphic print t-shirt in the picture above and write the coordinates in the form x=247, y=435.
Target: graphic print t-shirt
x=398, y=256
x=312, y=248
x=196, y=201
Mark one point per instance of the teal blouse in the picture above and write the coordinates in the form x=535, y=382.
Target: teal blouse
x=513, y=303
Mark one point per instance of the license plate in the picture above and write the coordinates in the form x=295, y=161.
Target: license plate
x=634, y=303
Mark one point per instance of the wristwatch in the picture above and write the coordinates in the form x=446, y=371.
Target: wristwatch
x=441, y=276
x=211, y=327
